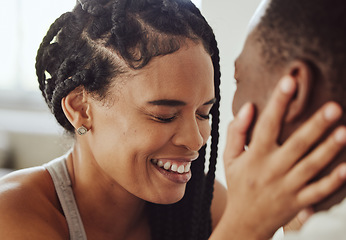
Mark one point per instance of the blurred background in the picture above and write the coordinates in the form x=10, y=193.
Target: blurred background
x=29, y=134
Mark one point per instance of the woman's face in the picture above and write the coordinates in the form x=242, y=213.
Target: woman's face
x=147, y=138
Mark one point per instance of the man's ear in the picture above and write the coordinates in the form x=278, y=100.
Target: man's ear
x=77, y=108
x=302, y=74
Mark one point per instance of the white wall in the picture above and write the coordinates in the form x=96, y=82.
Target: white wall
x=229, y=19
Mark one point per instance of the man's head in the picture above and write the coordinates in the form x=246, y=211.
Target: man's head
x=303, y=39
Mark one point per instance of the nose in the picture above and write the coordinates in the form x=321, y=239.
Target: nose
x=189, y=135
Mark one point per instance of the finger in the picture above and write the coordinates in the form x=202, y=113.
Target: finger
x=296, y=223
x=301, y=141
x=306, y=169
x=305, y=214
x=269, y=122
x=293, y=225
x=320, y=189
x=237, y=132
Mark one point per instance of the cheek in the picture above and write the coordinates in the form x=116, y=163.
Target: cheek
x=254, y=93
x=205, y=130
x=152, y=138
x=238, y=101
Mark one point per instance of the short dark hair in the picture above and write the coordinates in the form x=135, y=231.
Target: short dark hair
x=101, y=39
x=313, y=31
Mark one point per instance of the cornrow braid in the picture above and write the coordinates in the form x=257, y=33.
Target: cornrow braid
x=42, y=52
x=92, y=6
x=102, y=39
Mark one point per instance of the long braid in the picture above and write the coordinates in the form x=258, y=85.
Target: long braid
x=205, y=232
x=198, y=185
x=101, y=39
x=181, y=220
x=210, y=178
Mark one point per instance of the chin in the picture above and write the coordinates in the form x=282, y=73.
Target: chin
x=169, y=198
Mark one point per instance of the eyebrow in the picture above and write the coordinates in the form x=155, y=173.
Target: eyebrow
x=175, y=103
x=211, y=101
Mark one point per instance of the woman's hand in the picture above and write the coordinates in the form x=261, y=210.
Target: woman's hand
x=269, y=184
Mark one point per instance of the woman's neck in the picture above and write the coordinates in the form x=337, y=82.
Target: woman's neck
x=105, y=207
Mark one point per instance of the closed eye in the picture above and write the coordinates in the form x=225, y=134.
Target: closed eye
x=203, y=117
x=164, y=119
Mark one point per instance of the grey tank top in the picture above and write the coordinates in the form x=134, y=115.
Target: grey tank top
x=63, y=187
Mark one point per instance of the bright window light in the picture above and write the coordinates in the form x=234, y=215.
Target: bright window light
x=198, y=3
x=24, y=24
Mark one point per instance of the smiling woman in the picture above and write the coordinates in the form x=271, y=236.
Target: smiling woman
x=155, y=115
x=135, y=82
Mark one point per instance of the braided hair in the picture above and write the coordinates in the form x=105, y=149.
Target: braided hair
x=98, y=41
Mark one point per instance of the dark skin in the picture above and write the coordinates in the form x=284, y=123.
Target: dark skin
x=112, y=187
x=259, y=200
x=256, y=200
x=255, y=83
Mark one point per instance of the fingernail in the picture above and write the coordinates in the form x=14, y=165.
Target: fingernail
x=287, y=85
x=340, y=135
x=332, y=112
x=244, y=111
x=304, y=215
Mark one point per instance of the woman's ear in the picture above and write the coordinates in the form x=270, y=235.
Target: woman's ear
x=302, y=74
x=77, y=108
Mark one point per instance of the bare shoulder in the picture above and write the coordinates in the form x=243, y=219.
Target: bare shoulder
x=29, y=206
x=219, y=203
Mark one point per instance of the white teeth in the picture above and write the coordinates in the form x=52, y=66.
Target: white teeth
x=187, y=167
x=174, y=168
x=167, y=165
x=160, y=163
x=181, y=169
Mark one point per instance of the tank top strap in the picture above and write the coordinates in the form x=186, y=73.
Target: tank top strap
x=57, y=168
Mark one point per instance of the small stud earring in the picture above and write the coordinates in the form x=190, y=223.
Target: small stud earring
x=82, y=130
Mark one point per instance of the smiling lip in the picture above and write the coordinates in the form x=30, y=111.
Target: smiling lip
x=176, y=170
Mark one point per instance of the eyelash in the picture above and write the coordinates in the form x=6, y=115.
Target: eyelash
x=168, y=120
x=164, y=120
x=204, y=117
